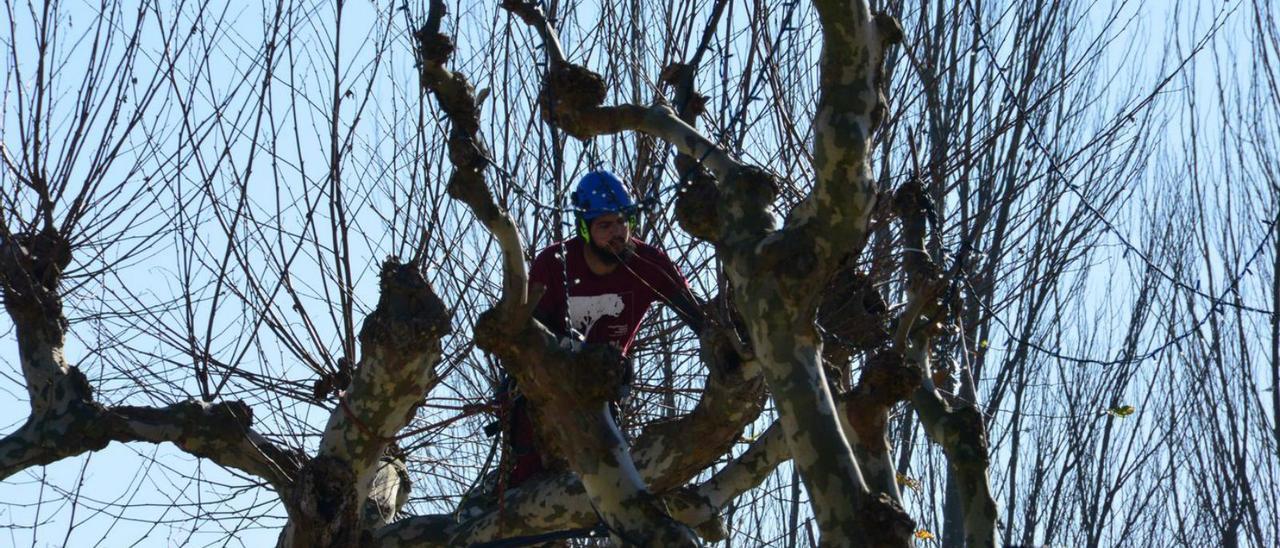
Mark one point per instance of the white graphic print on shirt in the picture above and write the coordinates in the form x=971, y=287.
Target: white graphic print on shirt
x=585, y=311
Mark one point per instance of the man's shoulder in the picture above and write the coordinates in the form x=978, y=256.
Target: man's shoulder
x=554, y=251
x=548, y=265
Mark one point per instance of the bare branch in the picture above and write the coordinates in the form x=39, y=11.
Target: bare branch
x=219, y=432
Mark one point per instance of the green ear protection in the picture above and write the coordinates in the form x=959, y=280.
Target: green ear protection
x=583, y=229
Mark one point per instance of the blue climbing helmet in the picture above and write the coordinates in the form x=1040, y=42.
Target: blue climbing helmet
x=600, y=193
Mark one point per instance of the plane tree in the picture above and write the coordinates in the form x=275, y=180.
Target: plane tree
x=348, y=486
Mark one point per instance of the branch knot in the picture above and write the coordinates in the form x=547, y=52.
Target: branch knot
x=409, y=318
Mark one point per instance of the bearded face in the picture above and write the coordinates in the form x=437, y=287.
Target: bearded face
x=611, y=238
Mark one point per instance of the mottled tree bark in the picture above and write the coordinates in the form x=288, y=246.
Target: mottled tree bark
x=400, y=342
x=701, y=503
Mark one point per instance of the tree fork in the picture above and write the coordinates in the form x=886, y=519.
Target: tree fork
x=820, y=233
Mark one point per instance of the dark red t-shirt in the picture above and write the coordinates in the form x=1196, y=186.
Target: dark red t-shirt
x=608, y=308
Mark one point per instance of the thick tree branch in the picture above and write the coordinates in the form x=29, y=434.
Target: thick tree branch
x=963, y=437
x=572, y=96
x=819, y=234
x=886, y=380
x=31, y=266
x=959, y=430
x=700, y=504
x=219, y=432
x=850, y=108
x=669, y=453
x=65, y=420
x=456, y=98
x=541, y=505
x=418, y=532
x=400, y=342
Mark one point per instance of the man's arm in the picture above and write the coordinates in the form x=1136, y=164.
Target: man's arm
x=546, y=278
x=544, y=313
x=721, y=344
x=688, y=308
x=675, y=292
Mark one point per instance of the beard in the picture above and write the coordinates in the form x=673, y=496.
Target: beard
x=625, y=250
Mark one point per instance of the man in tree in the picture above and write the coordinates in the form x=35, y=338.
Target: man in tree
x=597, y=295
